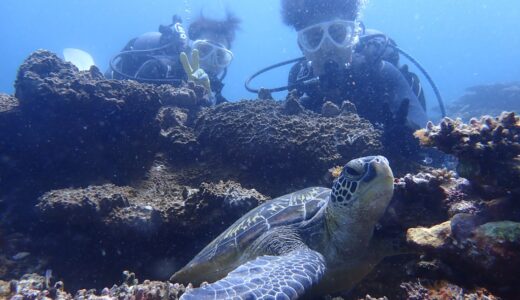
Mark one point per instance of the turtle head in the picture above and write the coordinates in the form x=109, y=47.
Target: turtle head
x=363, y=190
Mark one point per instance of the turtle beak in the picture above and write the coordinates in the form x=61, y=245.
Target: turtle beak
x=380, y=186
x=382, y=167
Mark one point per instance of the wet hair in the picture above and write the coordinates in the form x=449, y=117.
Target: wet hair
x=222, y=28
x=302, y=13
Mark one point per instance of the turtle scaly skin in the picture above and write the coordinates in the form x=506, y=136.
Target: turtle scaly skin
x=311, y=242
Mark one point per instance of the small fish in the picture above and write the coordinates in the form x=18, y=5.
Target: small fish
x=427, y=160
x=20, y=255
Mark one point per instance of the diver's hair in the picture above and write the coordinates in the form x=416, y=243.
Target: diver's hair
x=226, y=28
x=302, y=13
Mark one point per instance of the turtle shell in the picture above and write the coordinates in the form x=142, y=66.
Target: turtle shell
x=290, y=209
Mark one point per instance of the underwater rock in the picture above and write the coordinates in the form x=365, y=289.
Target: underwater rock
x=215, y=206
x=179, y=138
x=114, y=209
x=488, y=149
x=490, y=99
x=77, y=127
x=421, y=199
x=151, y=226
x=213, y=202
x=260, y=136
x=74, y=128
x=82, y=206
x=484, y=253
x=228, y=195
x=430, y=238
x=127, y=212
x=496, y=245
x=436, y=237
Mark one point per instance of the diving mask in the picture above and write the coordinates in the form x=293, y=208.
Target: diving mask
x=341, y=33
x=213, y=55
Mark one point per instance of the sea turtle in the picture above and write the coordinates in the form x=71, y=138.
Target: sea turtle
x=313, y=241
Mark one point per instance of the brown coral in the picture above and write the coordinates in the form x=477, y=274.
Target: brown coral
x=488, y=137
x=488, y=149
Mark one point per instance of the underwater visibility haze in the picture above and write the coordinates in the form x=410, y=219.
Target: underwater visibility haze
x=350, y=184
x=461, y=44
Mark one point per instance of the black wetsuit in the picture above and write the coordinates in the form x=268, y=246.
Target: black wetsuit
x=153, y=58
x=377, y=89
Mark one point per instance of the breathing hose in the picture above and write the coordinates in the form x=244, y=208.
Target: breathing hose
x=367, y=37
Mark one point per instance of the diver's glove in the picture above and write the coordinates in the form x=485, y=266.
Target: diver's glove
x=400, y=118
x=398, y=135
x=194, y=71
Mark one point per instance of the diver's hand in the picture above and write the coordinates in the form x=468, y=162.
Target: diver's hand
x=397, y=119
x=193, y=70
x=398, y=135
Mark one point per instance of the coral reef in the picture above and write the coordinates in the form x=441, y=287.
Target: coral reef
x=103, y=128
x=476, y=251
x=478, y=239
x=98, y=176
x=178, y=137
x=256, y=134
x=423, y=198
x=490, y=99
x=118, y=168
x=78, y=128
x=488, y=149
x=460, y=234
x=36, y=287
x=426, y=290
x=129, y=212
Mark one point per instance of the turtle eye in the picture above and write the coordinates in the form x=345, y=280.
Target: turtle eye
x=352, y=172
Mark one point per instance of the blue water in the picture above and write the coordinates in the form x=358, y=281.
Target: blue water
x=461, y=43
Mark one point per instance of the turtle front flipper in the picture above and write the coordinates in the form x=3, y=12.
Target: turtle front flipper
x=287, y=276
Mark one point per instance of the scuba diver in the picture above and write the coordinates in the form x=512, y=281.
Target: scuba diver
x=345, y=69
x=161, y=57
x=340, y=65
